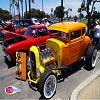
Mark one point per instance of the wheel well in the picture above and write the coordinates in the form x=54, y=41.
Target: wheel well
x=23, y=51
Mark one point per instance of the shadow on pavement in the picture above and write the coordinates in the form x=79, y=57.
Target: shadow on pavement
x=9, y=63
x=71, y=70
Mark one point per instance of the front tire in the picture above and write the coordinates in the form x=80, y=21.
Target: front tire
x=91, y=57
x=27, y=63
x=48, y=84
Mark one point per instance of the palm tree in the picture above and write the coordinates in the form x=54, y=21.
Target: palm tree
x=29, y=8
x=26, y=7
x=18, y=8
x=13, y=5
x=62, y=10
x=10, y=6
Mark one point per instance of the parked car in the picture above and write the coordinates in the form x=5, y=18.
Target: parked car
x=22, y=23
x=35, y=21
x=34, y=35
x=62, y=51
x=2, y=25
x=17, y=26
x=7, y=27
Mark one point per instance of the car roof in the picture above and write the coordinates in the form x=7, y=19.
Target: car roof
x=66, y=26
x=37, y=26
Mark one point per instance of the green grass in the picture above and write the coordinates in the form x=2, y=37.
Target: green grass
x=84, y=21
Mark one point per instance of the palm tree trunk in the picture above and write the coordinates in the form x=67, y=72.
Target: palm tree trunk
x=22, y=8
x=30, y=9
x=42, y=9
x=18, y=9
x=62, y=11
x=10, y=7
x=26, y=7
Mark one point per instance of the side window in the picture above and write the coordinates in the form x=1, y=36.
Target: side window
x=75, y=34
x=42, y=32
x=83, y=30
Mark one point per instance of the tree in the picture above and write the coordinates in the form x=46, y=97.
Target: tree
x=36, y=13
x=79, y=11
x=88, y=6
x=58, y=12
x=4, y=15
x=13, y=4
x=96, y=15
x=67, y=12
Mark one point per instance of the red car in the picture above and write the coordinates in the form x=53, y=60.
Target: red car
x=34, y=35
x=10, y=32
x=18, y=26
x=2, y=25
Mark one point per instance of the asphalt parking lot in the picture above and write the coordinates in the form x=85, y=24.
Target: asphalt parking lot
x=64, y=88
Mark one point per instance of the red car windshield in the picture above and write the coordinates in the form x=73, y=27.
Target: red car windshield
x=29, y=32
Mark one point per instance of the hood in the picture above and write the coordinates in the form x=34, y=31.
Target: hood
x=8, y=27
x=14, y=40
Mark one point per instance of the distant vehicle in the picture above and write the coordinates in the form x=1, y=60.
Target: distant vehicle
x=17, y=26
x=2, y=25
x=22, y=23
x=35, y=21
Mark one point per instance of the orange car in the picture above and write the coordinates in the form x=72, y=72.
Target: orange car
x=68, y=45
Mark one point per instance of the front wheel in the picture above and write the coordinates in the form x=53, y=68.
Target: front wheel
x=91, y=57
x=48, y=84
x=27, y=63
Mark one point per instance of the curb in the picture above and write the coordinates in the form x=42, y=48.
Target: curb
x=82, y=85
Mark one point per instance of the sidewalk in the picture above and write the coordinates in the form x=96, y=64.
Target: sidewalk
x=89, y=89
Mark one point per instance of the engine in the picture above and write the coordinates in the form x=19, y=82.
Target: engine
x=46, y=58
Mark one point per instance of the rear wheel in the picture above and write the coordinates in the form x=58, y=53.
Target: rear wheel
x=48, y=84
x=91, y=57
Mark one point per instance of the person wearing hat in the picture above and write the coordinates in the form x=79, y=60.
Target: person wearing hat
x=46, y=23
x=96, y=34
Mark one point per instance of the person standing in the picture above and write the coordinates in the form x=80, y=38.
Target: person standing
x=92, y=26
x=96, y=34
x=46, y=23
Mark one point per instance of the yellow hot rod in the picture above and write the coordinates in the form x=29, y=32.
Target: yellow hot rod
x=68, y=45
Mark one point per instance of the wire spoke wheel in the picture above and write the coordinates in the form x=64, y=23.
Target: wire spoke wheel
x=94, y=58
x=50, y=86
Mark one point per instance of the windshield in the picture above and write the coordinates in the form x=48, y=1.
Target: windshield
x=59, y=35
x=29, y=32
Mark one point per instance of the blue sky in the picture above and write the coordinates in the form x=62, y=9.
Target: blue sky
x=48, y=4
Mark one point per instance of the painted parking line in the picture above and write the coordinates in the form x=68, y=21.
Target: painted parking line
x=82, y=85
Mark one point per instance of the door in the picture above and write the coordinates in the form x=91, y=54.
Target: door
x=75, y=46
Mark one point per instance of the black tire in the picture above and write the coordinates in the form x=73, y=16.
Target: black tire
x=91, y=57
x=27, y=63
x=47, y=78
